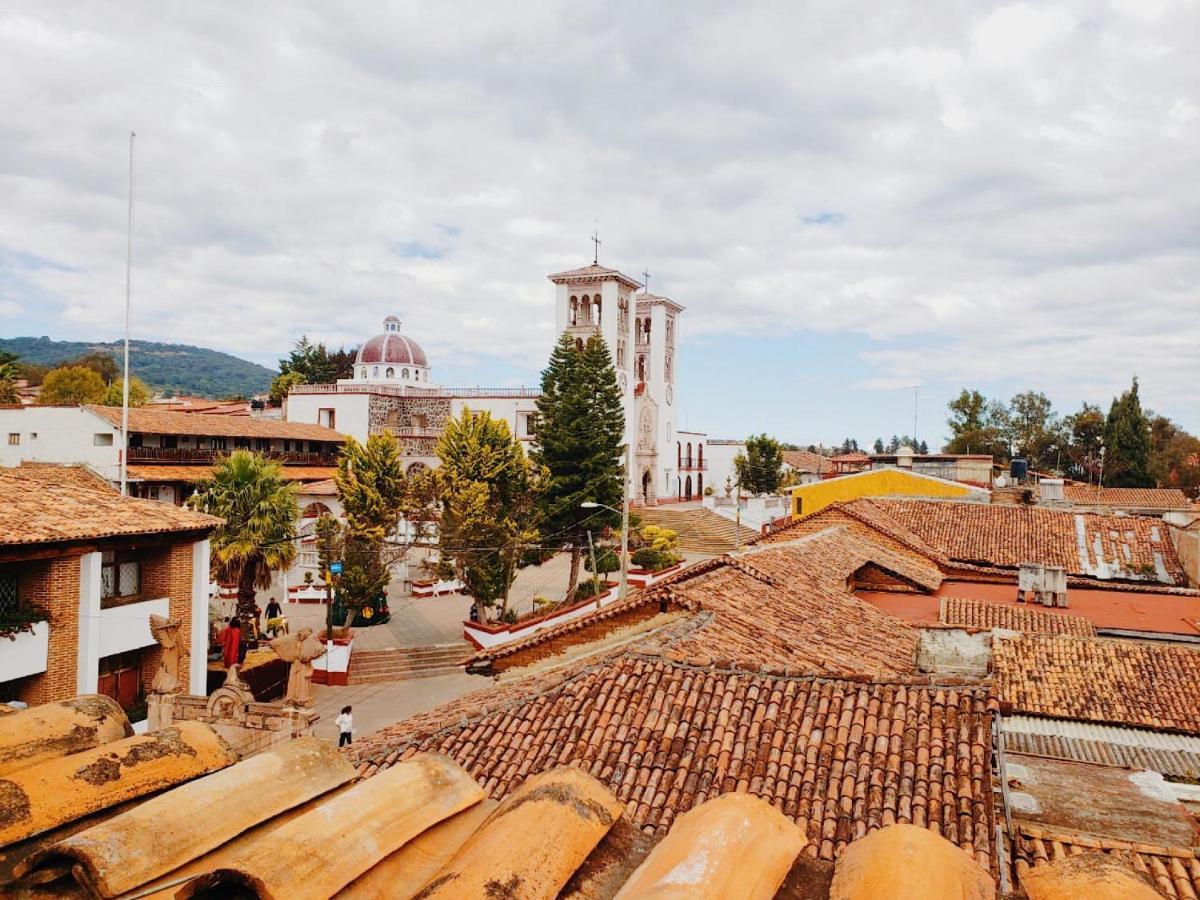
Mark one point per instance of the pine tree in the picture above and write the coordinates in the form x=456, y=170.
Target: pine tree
x=879, y=445
x=1127, y=442
x=488, y=492
x=581, y=423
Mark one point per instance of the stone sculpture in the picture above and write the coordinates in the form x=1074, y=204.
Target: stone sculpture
x=166, y=632
x=299, y=650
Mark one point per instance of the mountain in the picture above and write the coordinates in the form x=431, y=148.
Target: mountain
x=179, y=367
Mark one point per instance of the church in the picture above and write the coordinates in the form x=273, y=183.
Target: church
x=393, y=388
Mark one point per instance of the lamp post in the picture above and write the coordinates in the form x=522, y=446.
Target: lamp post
x=623, y=590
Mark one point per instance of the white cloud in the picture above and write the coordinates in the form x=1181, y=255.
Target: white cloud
x=957, y=179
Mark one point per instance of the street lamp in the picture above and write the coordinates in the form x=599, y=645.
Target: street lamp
x=623, y=590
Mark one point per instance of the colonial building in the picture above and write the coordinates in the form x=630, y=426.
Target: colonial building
x=393, y=389
x=81, y=571
x=169, y=452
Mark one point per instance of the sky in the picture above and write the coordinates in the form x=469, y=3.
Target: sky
x=849, y=198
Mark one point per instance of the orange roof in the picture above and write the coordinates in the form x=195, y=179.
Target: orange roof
x=160, y=421
x=1114, y=681
x=196, y=473
x=55, y=473
x=70, y=512
x=1128, y=498
x=1012, y=616
x=593, y=273
x=807, y=461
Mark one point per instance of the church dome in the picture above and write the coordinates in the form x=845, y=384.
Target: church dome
x=391, y=348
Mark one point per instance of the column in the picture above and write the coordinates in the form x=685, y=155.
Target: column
x=87, y=672
x=197, y=676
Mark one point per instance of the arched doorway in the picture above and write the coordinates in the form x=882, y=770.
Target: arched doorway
x=646, y=487
x=687, y=488
x=315, y=510
x=700, y=485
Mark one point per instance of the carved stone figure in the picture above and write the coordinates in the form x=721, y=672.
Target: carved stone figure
x=166, y=632
x=299, y=650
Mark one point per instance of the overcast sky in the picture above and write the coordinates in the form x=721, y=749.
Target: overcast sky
x=848, y=199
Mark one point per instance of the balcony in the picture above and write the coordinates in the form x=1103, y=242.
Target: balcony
x=405, y=431
x=25, y=652
x=127, y=627
x=186, y=455
x=692, y=465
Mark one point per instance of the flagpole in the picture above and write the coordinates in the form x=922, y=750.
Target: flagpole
x=128, y=304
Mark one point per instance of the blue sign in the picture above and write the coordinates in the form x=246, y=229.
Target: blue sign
x=335, y=568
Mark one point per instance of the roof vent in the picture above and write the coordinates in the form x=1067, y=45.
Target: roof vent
x=1046, y=585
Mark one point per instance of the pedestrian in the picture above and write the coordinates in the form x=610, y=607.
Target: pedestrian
x=274, y=617
x=345, y=724
x=231, y=642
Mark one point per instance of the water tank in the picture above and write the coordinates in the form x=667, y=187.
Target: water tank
x=1018, y=469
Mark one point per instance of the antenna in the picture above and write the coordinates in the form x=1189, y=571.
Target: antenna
x=596, y=244
x=128, y=304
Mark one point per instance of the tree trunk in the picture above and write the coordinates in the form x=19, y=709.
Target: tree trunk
x=574, y=576
x=245, y=598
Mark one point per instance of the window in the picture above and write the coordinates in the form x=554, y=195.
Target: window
x=362, y=373
x=326, y=416
x=262, y=444
x=10, y=593
x=14, y=438
x=120, y=575
x=406, y=373
x=121, y=678
x=391, y=373
x=169, y=442
x=531, y=424
x=33, y=435
x=375, y=372
x=220, y=443
x=135, y=440
x=100, y=440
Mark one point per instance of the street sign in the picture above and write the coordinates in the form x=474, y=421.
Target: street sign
x=335, y=568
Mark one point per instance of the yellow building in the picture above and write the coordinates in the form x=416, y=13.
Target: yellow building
x=809, y=498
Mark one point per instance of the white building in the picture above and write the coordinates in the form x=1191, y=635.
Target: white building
x=393, y=389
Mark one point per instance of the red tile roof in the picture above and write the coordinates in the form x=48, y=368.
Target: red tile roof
x=807, y=461
x=194, y=473
x=593, y=273
x=55, y=473
x=1127, y=498
x=71, y=512
x=1114, y=681
x=1038, y=619
x=842, y=758
x=160, y=421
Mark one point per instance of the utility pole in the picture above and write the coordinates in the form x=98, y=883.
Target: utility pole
x=623, y=590
x=128, y=299
x=595, y=574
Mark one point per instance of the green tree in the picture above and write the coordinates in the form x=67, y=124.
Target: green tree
x=878, y=445
x=1085, y=437
x=103, y=364
x=581, y=424
x=1127, y=442
x=259, y=534
x=977, y=425
x=71, y=386
x=9, y=373
x=281, y=384
x=488, y=493
x=1034, y=431
x=1177, y=463
x=371, y=484
x=139, y=394
x=311, y=361
x=760, y=467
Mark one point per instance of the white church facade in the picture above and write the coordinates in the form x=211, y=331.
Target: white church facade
x=393, y=389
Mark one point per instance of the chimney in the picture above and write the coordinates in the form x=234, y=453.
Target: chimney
x=1051, y=489
x=1029, y=580
x=1045, y=585
x=1054, y=588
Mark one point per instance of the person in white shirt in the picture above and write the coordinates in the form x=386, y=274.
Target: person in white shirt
x=345, y=724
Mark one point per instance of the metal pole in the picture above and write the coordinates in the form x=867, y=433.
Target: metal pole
x=623, y=590
x=128, y=297
x=595, y=575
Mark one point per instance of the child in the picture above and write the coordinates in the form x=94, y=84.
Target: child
x=345, y=724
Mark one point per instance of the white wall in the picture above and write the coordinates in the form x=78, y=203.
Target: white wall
x=25, y=653
x=59, y=434
x=127, y=627
x=719, y=456
x=506, y=408
x=350, y=411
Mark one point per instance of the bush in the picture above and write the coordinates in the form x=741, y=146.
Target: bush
x=654, y=560
x=607, y=560
x=586, y=590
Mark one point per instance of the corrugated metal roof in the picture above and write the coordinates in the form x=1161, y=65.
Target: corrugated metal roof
x=1169, y=754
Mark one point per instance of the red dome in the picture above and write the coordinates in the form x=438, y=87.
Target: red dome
x=392, y=348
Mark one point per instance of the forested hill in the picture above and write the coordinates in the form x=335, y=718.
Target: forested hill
x=179, y=367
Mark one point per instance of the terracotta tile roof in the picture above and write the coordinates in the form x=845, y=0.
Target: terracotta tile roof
x=1014, y=617
x=54, y=473
x=161, y=421
x=326, y=487
x=1175, y=755
x=842, y=758
x=807, y=461
x=1114, y=681
x=1129, y=498
x=1175, y=871
x=168, y=472
x=593, y=273
x=781, y=604
x=1106, y=547
x=852, y=457
x=865, y=520
x=70, y=512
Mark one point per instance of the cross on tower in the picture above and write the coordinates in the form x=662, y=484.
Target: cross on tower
x=646, y=277
x=596, y=249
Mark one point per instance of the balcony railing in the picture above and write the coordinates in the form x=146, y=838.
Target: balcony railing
x=185, y=455
x=690, y=465
x=413, y=432
x=398, y=390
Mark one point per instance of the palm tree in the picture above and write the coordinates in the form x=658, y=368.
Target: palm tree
x=8, y=383
x=259, y=534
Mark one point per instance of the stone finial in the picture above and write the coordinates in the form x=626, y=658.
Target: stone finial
x=166, y=632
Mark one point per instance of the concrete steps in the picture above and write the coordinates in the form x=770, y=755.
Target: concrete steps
x=401, y=663
x=701, y=531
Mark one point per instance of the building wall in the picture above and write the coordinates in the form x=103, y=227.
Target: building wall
x=719, y=456
x=809, y=498
x=53, y=585
x=64, y=434
x=351, y=411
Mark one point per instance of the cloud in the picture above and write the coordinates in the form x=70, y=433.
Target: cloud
x=973, y=189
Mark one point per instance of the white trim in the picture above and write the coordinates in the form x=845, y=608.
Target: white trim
x=198, y=661
x=87, y=671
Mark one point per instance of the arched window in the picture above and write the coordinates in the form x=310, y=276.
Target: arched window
x=315, y=510
x=390, y=373
x=641, y=368
x=574, y=310
x=678, y=455
x=416, y=467
x=375, y=371
x=579, y=343
x=404, y=373
x=688, y=459
x=363, y=372
x=700, y=457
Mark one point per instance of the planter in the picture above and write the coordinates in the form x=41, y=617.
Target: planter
x=24, y=653
x=307, y=593
x=334, y=666
x=430, y=588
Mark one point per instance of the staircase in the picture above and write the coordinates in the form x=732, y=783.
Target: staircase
x=400, y=663
x=701, y=531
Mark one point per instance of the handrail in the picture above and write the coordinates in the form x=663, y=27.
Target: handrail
x=396, y=390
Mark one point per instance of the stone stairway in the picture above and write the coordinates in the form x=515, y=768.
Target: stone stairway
x=400, y=663
x=701, y=531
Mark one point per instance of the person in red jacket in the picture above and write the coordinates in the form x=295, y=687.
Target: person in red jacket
x=230, y=642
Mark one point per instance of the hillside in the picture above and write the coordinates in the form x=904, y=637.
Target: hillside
x=179, y=367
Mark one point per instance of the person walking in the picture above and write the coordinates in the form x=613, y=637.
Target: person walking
x=231, y=641
x=345, y=724
x=274, y=617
